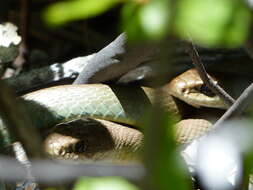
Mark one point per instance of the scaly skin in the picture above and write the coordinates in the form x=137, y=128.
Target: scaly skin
x=93, y=139
x=127, y=105
x=51, y=106
x=115, y=103
x=187, y=87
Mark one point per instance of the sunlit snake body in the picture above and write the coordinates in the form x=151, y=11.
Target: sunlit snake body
x=126, y=105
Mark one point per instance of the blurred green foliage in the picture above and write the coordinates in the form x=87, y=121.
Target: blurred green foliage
x=209, y=23
x=146, y=21
x=165, y=168
x=65, y=11
x=213, y=22
x=103, y=183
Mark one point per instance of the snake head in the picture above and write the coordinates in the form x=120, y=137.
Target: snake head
x=189, y=88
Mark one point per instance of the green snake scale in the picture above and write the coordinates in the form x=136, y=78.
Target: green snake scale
x=127, y=105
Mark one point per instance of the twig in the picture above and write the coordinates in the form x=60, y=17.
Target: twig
x=237, y=107
x=47, y=171
x=245, y=100
x=206, y=78
x=21, y=156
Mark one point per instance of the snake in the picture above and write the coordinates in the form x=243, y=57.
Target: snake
x=108, y=111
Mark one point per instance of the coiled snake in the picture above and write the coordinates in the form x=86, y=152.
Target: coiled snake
x=100, y=139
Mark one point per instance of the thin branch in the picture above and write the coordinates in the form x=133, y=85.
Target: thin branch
x=241, y=104
x=21, y=156
x=245, y=100
x=47, y=171
x=206, y=78
x=237, y=107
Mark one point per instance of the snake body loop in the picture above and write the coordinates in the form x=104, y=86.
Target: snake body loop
x=115, y=103
x=94, y=140
x=126, y=105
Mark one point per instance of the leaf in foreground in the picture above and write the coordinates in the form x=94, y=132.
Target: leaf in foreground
x=103, y=183
x=213, y=22
x=62, y=12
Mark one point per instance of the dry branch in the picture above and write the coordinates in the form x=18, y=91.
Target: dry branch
x=206, y=78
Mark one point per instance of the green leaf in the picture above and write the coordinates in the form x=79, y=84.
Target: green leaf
x=147, y=21
x=213, y=22
x=60, y=13
x=130, y=21
x=165, y=168
x=105, y=183
x=154, y=18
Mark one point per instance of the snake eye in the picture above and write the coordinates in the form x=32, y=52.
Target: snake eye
x=80, y=147
x=205, y=90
